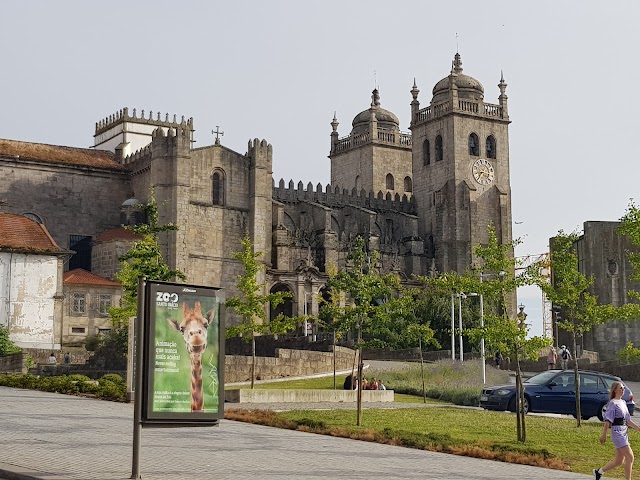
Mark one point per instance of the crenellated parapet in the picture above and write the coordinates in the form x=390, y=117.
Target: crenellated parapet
x=339, y=197
x=122, y=115
x=260, y=152
x=142, y=154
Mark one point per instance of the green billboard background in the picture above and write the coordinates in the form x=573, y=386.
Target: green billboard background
x=171, y=361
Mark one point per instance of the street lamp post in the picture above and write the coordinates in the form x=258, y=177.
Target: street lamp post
x=453, y=328
x=460, y=297
x=484, y=363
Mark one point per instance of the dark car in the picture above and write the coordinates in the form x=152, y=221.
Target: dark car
x=553, y=392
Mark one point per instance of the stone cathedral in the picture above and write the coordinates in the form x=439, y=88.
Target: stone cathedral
x=422, y=199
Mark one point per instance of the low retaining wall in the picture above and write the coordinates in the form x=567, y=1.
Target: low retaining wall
x=286, y=363
x=304, y=396
x=14, y=363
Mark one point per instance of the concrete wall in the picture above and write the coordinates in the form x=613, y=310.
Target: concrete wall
x=293, y=396
x=28, y=290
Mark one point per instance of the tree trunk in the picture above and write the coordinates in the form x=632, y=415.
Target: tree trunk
x=334, y=361
x=576, y=377
x=424, y=390
x=253, y=359
x=520, y=416
x=359, y=391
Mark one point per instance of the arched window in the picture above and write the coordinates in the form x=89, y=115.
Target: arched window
x=217, y=188
x=426, y=153
x=491, y=147
x=439, y=153
x=389, y=181
x=408, y=186
x=474, y=147
x=285, y=307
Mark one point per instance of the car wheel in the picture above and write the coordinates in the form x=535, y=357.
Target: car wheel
x=601, y=411
x=512, y=404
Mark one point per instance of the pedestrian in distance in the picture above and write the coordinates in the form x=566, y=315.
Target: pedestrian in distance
x=617, y=419
x=498, y=360
x=565, y=356
x=52, y=359
x=552, y=358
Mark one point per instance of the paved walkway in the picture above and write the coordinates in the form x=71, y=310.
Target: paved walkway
x=49, y=436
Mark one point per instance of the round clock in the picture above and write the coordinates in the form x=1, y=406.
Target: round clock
x=482, y=171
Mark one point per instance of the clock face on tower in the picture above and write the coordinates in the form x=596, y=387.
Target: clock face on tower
x=482, y=171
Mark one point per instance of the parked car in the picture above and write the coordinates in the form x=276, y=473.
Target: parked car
x=553, y=392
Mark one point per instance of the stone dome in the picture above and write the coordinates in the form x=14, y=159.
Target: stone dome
x=468, y=87
x=386, y=119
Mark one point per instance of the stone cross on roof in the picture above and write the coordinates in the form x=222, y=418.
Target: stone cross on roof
x=218, y=134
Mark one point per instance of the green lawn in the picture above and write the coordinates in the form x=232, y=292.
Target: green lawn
x=578, y=447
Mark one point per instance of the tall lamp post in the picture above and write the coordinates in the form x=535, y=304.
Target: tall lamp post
x=484, y=366
x=460, y=297
x=453, y=328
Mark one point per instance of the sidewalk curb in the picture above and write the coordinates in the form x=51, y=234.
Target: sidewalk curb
x=13, y=472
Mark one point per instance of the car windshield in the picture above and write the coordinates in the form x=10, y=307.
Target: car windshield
x=542, y=378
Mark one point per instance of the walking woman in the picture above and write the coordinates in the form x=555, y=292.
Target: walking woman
x=617, y=419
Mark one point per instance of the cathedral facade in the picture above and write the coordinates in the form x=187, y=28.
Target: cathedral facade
x=423, y=199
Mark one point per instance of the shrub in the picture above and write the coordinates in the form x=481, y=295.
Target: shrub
x=7, y=347
x=629, y=353
x=115, y=378
x=110, y=390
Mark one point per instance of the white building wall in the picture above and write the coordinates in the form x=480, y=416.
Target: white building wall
x=136, y=136
x=27, y=289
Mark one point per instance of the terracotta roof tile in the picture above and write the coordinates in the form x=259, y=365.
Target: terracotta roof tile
x=117, y=233
x=80, y=276
x=23, y=234
x=81, y=157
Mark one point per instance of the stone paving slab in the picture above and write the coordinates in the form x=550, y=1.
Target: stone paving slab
x=48, y=436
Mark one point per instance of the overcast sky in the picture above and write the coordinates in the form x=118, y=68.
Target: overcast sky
x=279, y=69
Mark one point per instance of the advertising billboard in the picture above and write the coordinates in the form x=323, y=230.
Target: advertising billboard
x=183, y=354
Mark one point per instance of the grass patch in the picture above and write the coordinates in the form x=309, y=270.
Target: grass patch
x=551, y=442
x=445, y=381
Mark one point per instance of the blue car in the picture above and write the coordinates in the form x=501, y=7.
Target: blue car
x=554, y=391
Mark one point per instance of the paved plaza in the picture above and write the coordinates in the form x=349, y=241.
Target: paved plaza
x=52, y=436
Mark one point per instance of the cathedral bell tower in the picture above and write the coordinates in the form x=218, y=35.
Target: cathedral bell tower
x=460, y=161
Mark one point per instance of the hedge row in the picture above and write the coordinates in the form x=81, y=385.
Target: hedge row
x=109, y=387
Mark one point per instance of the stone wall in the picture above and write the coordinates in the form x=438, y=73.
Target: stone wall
x=286, y=363
x=14, y=363
x=70, y=201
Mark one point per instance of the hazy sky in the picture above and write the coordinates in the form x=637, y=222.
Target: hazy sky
x=279, y=69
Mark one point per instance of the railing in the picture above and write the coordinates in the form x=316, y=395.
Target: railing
x=466, y=106
x=383, y=136
x=493, y=110
x=435, y=111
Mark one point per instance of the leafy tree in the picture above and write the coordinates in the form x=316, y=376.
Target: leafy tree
x=252, y=305
x=503, y=331
x=7, y=347
x=570, y=290
x=144, y=259
x=402, y=324
x=365, y=290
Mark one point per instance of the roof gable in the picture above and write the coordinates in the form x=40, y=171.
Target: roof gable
x=55, y=154
x=19, y=233
x=80, y=276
